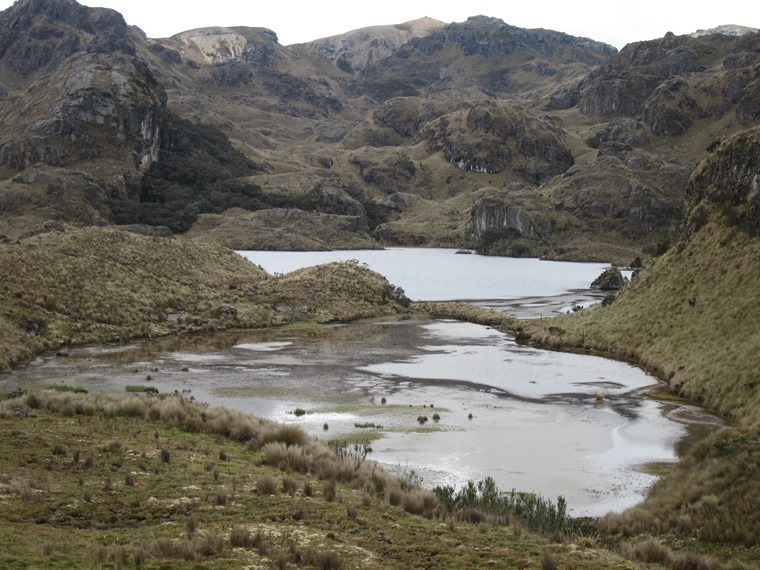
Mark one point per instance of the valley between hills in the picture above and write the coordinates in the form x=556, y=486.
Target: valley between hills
x=131, y=167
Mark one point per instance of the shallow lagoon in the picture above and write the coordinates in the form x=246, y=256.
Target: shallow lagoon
x=536, y=424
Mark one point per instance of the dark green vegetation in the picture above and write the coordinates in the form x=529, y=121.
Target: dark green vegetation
x=194, y=176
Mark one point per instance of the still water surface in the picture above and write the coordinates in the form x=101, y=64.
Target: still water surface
x=442, y=275
x=536, y=424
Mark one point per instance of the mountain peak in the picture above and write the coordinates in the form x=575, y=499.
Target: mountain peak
x=726, y=30
x=357, y=49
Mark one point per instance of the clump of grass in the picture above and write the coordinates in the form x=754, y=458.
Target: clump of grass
x=289, y=486
x=693, y=561
x=289, y=434
x=266, y=485
x=242, y=537
x=420, y=502
x=321, y=559
x=328, y=560
x=329, y=491
x=394, y=496
x=209, y=544
x=547, y=560
x=648, y=551
x=166, y=455
x=298, y=412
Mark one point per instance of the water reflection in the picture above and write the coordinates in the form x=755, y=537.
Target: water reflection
x=536, y=424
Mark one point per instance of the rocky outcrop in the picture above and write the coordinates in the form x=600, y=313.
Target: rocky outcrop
x=481, y=35
x=93, y=106
x=392, y=175
x=628, y=132
x=517, y=58
x=610, y=280
x=669, y=80
x=217, y=45
x=354, y=51
x=671, y=109
x=39, y=35
x=492, y=138
x=729, y=179
x=491, y=214
x=625, y=190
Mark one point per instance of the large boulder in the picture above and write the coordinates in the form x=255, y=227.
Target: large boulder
x=611, y=279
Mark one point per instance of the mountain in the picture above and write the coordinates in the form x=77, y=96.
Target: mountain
x=519, y=142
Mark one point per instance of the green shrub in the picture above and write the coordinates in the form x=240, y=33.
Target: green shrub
x=133, y=388
x=532, y=510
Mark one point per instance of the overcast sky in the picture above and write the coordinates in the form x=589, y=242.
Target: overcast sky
x=295, y=21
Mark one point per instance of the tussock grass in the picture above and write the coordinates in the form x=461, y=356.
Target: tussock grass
x=472, y=314
x=97, y=285
x=688, y=319
x=194, y=512
x=266, y=485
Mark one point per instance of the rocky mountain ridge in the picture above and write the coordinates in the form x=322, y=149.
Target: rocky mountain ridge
x=426, y=133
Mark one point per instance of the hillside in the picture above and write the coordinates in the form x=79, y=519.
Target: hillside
x=526, y=142
x=691, y=318
x=123, y=481
x=67, y=287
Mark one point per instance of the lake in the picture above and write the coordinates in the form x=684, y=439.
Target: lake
x=443, y=275
x=549, y=422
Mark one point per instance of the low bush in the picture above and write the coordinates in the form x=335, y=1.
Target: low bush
x=533, y=511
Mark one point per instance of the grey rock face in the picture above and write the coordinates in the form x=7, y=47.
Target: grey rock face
x=109, y=96
x=489, y=215
x=40, y=34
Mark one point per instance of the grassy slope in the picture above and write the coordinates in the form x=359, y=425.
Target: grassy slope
x=104, y=284
x=120, y=481
x=692, y=319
